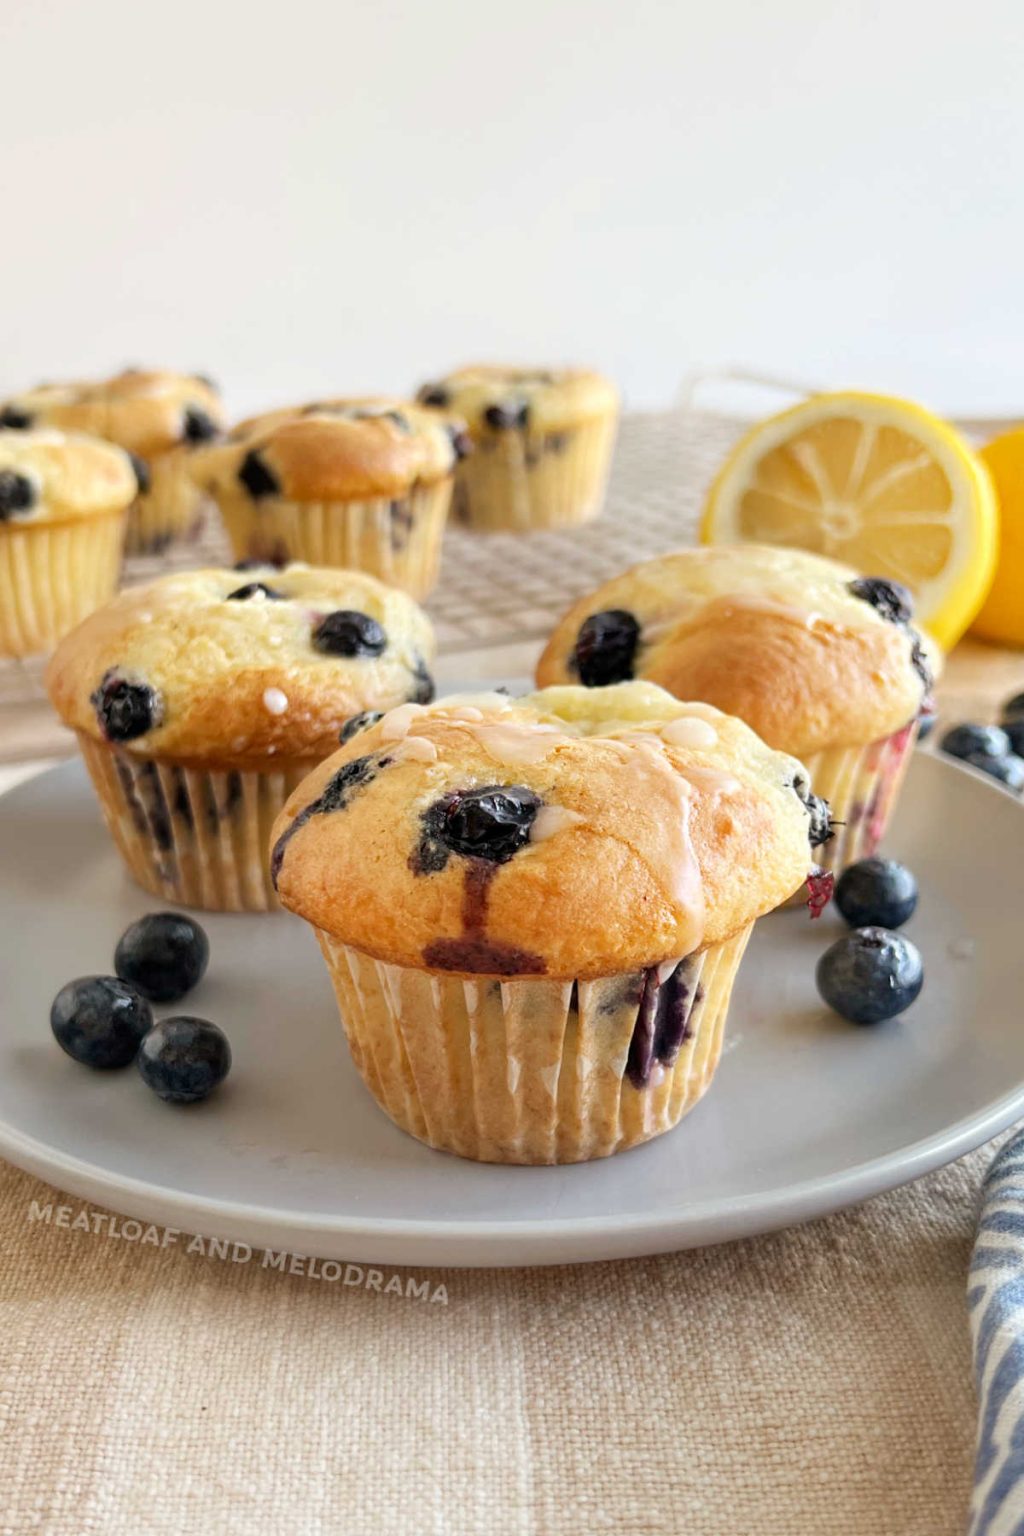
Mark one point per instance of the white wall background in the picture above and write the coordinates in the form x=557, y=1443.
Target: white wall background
x=345, y=195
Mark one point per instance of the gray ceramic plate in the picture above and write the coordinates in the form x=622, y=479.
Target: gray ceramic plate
x=807, y=1113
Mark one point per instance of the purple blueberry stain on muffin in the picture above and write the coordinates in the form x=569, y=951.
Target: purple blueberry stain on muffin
x=125, y=709
x=349, y=779
x=605, y=649
x=663, y=1021
x=401, y=519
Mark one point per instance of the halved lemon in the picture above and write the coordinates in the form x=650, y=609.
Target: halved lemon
x=872, y=480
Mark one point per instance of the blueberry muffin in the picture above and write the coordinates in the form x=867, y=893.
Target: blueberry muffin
x=542, y=444
x=64, y=499
x=359, y=483
x=532, y=910
x=156, y=417
x=202, y=699
x=819, y=661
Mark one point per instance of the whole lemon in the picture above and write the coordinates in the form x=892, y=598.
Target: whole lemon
x=1002, y=617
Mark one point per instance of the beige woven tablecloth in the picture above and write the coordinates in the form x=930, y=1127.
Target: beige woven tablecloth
x=813, y=1382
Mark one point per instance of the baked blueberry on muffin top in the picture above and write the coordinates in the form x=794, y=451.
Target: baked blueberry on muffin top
x=807, y=652
x=50, y=476
x=503, y=399
x=332, y=450
x=145, y=412
x=567, y=833
x=195, y=667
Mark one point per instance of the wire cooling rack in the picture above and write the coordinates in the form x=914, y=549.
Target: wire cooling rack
x=496, y=589
x=500, y=589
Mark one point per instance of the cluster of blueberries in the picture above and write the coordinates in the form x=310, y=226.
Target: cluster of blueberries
x=873, y=973
x=107, y=1021
x=995, y=749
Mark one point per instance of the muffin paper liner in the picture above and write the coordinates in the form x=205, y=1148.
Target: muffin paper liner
x=173, y=508
x=396, y=539
x=861, y=785
x=52, y=575
x=188, y=834
x=532, y=1070
x=520, y=480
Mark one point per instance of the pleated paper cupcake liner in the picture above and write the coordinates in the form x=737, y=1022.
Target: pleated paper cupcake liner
x=529, y=1070
x=174, y=507
x=52, y=575
x=861, y=785
x=397, y=540
x=192, y=835
x=521, y=480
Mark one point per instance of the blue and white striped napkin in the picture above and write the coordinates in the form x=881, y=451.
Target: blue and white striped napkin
x=995, y=1298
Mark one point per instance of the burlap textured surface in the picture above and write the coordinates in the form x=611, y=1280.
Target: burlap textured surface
x=817, y=1381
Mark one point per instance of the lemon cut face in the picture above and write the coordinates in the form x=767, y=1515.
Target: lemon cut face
x=876, y=482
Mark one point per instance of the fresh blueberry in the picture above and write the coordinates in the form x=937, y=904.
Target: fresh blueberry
x=606, y=648
x=143, y=478
x=434, y=394
x=1015, y=731
x=254, y=589
x=968, y=741
x=163, y=955
x=348, y=633
x=1009, y=770
x=17, y=493
x=508, y=415
x=99, y=1021
x=258, y=479
x=125, y=709
x=870, y=975
x=876, y=893
x=491, y=823
x=184, y=1059
x=889, y=598
x=198, y=426
x=356, y=723
x=1013, y=709
x=15, y=419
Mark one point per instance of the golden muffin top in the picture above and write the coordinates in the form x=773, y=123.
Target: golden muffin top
x=333, y=450
x=569, y=833
x=806, y=651
x=48, y=476
x=146, y=412
x=225, y=668
x=494, y=399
